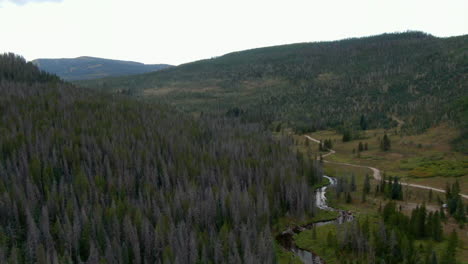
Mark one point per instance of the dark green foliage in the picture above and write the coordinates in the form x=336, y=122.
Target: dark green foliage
x=85, y=177
x=353, y=182
x=349, y=199
x=390, y=241
x=448, y=257
x=87, y=68
x=385, y=144
x=412, y=75
x=391, y=188
x=360, y=147
x=363, y=123
x=15, y=68
x=367, y=185
x=455, y=204
x=326, y=145
x=460, y=117
x=347, y=135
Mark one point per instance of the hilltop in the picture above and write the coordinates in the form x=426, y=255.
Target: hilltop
x=86, y=68
x=412, y=76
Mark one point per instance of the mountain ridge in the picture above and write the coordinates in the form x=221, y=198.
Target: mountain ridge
x=88, y=67
x=319, y=85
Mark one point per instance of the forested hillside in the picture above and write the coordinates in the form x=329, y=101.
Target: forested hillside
x=412, y=76
x=88, y=178
x=16, y=69
x=87, y=68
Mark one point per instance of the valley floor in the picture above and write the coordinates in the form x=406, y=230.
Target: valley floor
x=424, y=159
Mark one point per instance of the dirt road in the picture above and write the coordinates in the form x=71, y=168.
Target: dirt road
x=376, y=172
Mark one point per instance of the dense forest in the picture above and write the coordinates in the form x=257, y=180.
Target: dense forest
x=15, y=69
x=394, y=238
x=93, y=178
x=413, y=76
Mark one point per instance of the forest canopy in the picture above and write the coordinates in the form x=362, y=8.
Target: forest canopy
x=85, y=177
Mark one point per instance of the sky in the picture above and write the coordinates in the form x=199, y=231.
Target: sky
x=180, y=31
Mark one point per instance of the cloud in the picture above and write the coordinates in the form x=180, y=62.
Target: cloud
x=23, y=2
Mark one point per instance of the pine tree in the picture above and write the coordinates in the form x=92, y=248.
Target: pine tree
x=360, y=147
x=448, y=256
x=437, y=228
x=385, y=144
x=363, y=123
x=353, y=183
x=460, y=212
x=367, y=185
x=346, y=135
x=442, y=214
x=433, y=258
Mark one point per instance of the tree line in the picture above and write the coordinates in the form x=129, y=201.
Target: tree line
x=393, y=238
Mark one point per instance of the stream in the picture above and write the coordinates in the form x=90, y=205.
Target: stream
x=286, y=237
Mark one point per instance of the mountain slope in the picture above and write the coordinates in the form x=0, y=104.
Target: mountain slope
x=88, y=178
x=413, y=76
x=85, y=68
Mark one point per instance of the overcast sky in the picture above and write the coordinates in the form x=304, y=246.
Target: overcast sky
x=176, y=31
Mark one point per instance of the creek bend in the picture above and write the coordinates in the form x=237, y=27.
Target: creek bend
x=286, y=239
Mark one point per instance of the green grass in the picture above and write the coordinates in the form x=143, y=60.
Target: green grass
x=432, y=166
x=286, y=257
x=324, y=182
x=426, y=158
x=439, y=151
x=305, y=241
x=324, y=215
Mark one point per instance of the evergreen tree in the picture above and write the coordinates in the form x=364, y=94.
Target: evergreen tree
x=363, y=123
x=433, y=258
x=346, y=135
x=449, y=254
x=437, y=230
x=459, y=214
x=360, y=147
x=353, y=183
x=385, y=144
x=367, y=185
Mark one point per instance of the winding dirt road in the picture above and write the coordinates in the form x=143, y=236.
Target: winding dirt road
x=376, y=172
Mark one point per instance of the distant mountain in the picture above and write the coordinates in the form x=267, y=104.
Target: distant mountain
x=413, y=76
x=87, y=68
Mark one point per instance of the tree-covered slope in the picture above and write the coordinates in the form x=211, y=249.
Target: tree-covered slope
x=413, y=76
x=14, y=68
x=88, y=178
x=86, y=68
